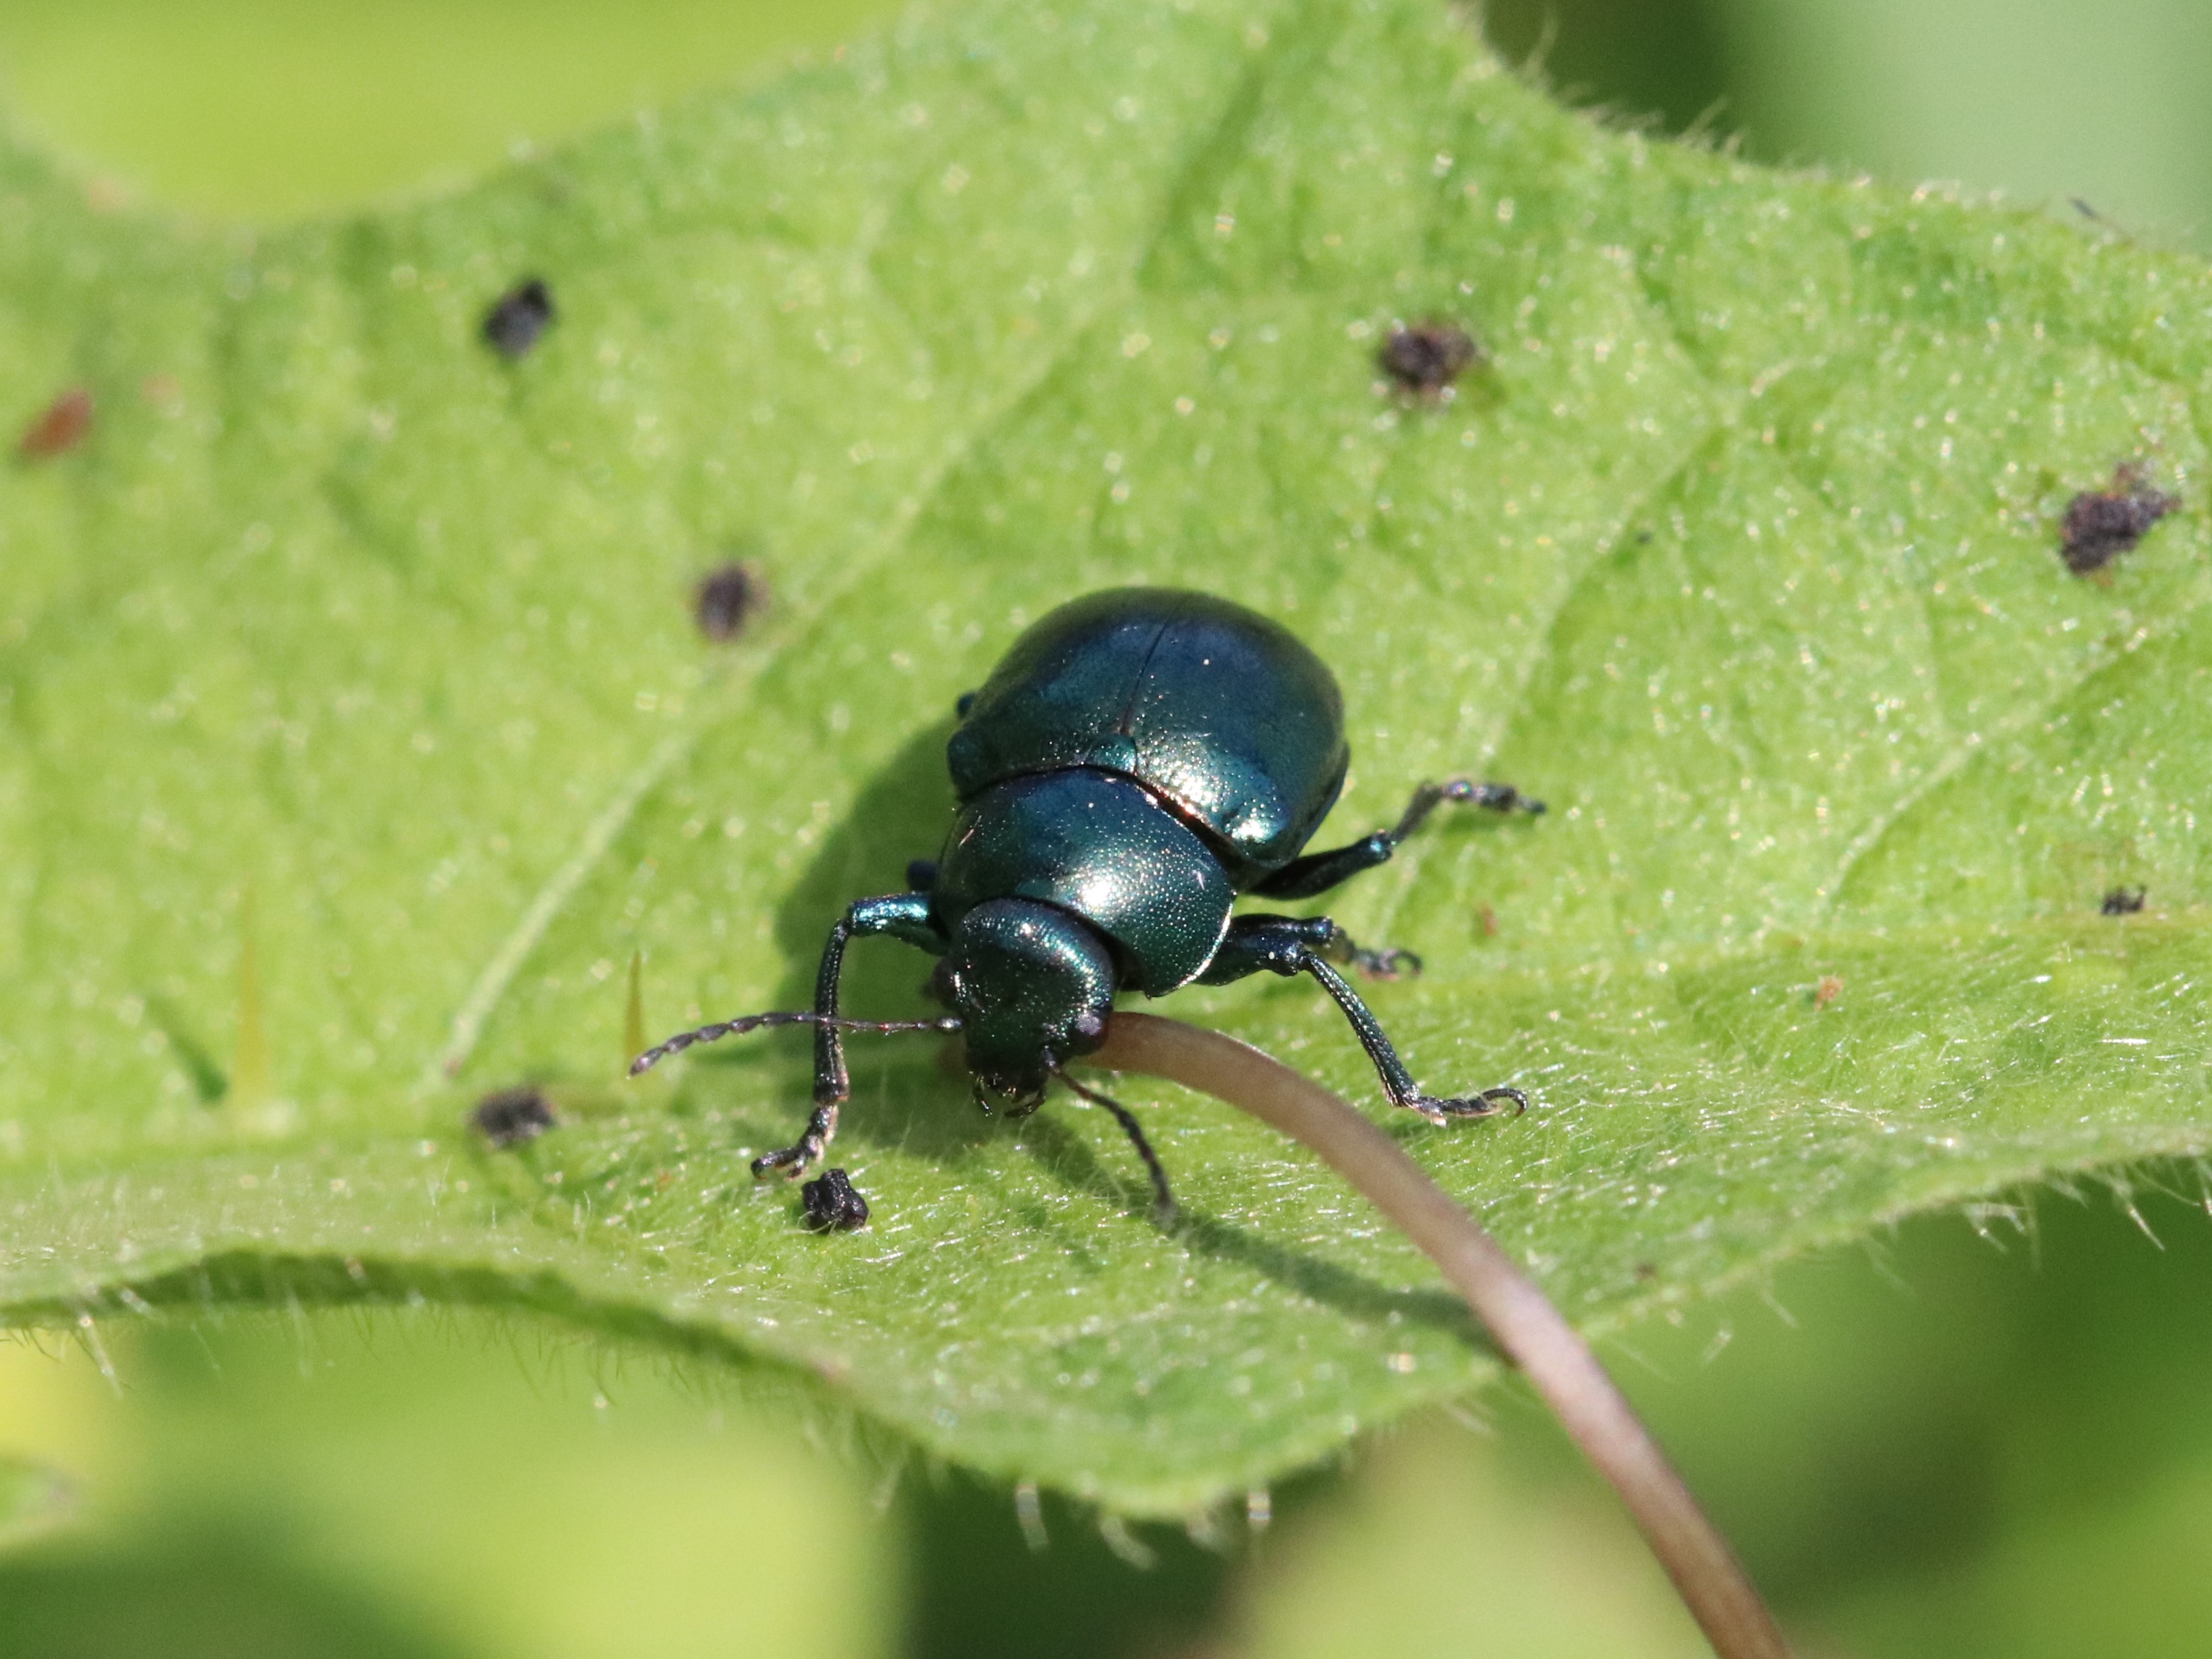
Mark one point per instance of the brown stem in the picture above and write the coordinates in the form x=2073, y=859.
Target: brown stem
x=1534, y=1333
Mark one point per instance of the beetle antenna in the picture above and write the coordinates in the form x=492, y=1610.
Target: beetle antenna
x=738, y=1027
x=1163, y=1204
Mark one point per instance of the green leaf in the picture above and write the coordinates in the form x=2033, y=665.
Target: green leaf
x=348, y=661
x=34, y=1499
x=1538, y=1571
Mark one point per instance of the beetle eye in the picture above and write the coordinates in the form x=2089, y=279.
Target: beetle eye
x=1088, y=1024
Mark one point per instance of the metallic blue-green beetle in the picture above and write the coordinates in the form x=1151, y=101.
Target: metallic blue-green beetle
x=1141, y=758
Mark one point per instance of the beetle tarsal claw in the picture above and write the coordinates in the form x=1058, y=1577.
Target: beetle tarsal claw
x=1386, y=964
x=1488, y=1104
x=794, y=1161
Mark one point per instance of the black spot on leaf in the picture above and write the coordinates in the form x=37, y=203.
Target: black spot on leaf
x=2101, y=525
x=832, y=1204
x=728, y=597
x=1425, y=359
x=508, y=1117
x=518, y=317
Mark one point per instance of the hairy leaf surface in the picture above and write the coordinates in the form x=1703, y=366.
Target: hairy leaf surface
x=358, y=733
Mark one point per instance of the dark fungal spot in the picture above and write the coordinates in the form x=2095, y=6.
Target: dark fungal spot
x=832, y=1205
x=518, y=317
x=2124, y=901
x=59, y=426
x=2101, y=525
x=726, y=598
x=1425, y=359
x=508, y=1117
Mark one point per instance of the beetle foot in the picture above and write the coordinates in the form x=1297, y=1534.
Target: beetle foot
x=794, y=1161
x=1386, y=964
x=1339, y=946
x=1488, y=1104
x=1494, y=797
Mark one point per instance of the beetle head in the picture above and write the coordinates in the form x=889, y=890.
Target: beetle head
x=1034, y=987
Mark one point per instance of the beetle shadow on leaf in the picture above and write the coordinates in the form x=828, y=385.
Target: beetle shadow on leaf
x=912, y=1101
x=900, y=815
x=1065, y=1155
x=908, y=1096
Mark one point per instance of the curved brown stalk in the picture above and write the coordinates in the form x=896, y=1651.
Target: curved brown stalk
x=1534, y=1333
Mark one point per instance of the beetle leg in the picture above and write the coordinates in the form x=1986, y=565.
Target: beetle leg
x=903, y=915
x=1330, y=941
x=1337, y=946
x=1317, y=872
x=1288, y=945
x=1163, y=1204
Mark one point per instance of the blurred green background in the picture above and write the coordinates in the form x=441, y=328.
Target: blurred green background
x=1984, y=1435
x=259, y=108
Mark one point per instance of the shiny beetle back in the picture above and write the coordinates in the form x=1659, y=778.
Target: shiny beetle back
x=1224, y=714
